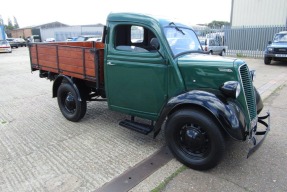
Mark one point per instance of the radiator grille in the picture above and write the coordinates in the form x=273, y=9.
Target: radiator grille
x=248, y=91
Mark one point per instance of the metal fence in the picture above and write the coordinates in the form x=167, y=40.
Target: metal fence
x=242, y=41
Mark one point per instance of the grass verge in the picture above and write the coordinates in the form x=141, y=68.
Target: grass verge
x=163, y=184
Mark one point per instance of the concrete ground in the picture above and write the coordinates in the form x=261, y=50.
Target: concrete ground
x=41, y=151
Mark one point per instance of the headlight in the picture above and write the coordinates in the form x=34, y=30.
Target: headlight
x=270, y=49
x=231, y=89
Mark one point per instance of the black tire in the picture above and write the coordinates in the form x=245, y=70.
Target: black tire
x=70, y=106
x=210, y=52
x=222, y=53
x=267, y=61
x=207, y=146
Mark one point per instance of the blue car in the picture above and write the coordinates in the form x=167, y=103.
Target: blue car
x=277, y=49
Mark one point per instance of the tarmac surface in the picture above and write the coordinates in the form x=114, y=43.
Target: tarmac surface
x=41, y=151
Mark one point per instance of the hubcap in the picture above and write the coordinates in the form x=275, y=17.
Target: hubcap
x=194, y=141
x=70, y=102
x=193, y=138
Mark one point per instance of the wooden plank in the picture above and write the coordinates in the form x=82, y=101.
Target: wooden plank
x=70, y=61
x=70, y=52
x=44, y=63
x=47, y=58
x=70, y=68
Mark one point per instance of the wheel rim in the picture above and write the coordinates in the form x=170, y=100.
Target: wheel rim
x=193, y=141
x=69, y=102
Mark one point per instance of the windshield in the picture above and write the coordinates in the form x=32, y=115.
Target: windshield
x=3, y=42
x=181, y=40
x=280, y=38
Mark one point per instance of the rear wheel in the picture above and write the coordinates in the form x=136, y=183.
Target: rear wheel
x=267, y=60
x=69, y=103
x=195, y=139
x=222, y=53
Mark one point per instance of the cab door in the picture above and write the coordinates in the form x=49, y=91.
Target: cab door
x=136, y=74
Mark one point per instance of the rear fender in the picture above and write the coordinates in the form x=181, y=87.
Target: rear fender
x=226, y=112
x=59, y=80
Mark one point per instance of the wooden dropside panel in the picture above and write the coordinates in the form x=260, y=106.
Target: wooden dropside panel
x=73, y=59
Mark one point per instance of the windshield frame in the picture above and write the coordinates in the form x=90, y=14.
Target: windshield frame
x=181, y=29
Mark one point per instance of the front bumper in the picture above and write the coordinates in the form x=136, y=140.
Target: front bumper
x=276, y=55
x=255, y=133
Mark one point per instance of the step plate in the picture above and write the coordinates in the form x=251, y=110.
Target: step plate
x=135, y=126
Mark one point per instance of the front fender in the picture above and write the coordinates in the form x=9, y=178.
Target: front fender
x=227, y=112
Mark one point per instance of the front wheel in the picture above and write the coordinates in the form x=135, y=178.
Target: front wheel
x=267, y=60
x=69, y=103
x=194, y=139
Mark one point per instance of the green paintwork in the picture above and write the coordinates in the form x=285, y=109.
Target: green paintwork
x=140, y=84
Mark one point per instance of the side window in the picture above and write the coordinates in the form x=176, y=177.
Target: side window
x=133, y=38
x=211, y=42
x=137, y=34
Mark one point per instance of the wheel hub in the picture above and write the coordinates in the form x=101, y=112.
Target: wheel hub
x=70, y=102
x=194, y=139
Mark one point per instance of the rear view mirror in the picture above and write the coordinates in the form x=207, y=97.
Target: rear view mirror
x=269, y=42
x=154, y=43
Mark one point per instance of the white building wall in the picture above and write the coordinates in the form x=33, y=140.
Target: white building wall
x=259, y=12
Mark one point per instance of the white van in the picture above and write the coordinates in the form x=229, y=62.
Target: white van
x=212, y=46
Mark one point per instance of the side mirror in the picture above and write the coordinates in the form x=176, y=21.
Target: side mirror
x=269, y=42
x=154, y=42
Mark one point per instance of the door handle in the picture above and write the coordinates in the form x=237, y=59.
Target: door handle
x=110, y=63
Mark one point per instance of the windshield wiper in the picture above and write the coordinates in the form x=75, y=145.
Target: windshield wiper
x=178, y=29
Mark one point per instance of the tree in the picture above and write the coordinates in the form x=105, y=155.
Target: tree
x=16, y=25
x=218, y=24
x=1, y=20
x=10, y=25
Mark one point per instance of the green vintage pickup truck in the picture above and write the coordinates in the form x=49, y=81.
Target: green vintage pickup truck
x=155, y=69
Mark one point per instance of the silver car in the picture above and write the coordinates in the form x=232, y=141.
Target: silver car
x=212, y=46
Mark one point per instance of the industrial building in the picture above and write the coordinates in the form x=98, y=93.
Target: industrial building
x=258, y=13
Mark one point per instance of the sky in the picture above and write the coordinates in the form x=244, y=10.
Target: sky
x=84, y=12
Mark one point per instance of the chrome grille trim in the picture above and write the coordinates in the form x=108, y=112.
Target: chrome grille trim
x=248, y=91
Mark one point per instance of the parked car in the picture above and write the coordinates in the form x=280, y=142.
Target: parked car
x=71, y=39
x=212, y=46
x=276, y=49
x=21, y=42
x=94, y=39
x=50, y=39
x=86, y=37
x=5, y=47
x=13, y=42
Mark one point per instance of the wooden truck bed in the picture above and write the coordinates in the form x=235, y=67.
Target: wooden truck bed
x=83, y=60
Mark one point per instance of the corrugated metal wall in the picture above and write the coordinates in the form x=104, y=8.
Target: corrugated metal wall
x=259, y=12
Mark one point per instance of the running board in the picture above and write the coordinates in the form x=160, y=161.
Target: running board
x=138, y=127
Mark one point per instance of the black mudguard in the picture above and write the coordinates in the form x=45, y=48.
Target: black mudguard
x=59, y=80
x=227, y=112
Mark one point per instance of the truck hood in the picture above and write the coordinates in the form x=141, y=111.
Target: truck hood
x=279, y=44
x=207, y=71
